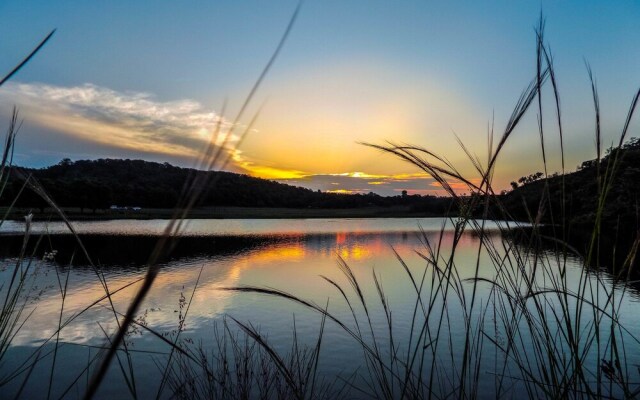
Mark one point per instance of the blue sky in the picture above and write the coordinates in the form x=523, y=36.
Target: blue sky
x=147, y=80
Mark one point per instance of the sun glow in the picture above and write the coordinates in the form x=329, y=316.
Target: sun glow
x=267, y=172
x=343, y=191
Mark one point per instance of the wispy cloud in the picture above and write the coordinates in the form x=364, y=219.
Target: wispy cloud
x=244, y=165
x=361, y=182
x=458, y=186
x=129, y=120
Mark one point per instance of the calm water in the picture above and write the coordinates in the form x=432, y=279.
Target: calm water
x=291, y=255
x=226, y=227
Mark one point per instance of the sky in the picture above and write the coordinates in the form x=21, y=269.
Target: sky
x=152, y=80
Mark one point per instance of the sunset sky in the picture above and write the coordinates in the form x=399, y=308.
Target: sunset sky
x=148, y=80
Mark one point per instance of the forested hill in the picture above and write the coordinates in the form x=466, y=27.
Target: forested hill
x=620, y=216
x=98, y=184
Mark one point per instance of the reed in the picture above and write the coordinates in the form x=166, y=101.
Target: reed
x=548, y=332
x=532, y=326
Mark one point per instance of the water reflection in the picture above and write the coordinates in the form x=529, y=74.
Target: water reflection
x=238, y=227
x=293, y=261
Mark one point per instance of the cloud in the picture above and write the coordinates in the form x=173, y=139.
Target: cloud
x=458, y=186
x=246, y=166
x=360, y=182
x=128, y=120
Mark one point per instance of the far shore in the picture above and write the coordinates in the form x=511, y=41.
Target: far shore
x=76, y=214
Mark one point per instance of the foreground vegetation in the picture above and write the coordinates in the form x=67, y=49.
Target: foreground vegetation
x=600, y=198
x=540, y=330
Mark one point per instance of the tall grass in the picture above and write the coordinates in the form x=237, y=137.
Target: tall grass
x=529, y=326
x=538, y=331
x=14, y=293
x=116, y=349
x=242, y=364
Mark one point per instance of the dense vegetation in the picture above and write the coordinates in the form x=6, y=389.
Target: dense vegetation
x=575, y=206
x=538, y=327
x=99, y=184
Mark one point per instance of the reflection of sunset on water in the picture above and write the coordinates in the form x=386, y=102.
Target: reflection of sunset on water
x=294, y=263
x=287, y=251
x=351, y=246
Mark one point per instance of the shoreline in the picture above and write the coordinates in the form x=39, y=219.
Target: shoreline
x=75, y=214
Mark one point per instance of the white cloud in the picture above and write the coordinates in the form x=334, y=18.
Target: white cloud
x=130, y=120
x=360, y=182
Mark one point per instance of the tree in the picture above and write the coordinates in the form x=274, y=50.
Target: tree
x=525, y=180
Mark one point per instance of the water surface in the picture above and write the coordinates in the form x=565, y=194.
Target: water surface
x=291, y=255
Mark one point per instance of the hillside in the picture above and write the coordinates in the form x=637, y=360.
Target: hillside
x=580, y=198
x=99, y=184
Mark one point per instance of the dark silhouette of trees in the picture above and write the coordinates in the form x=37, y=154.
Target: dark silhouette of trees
x=581, y=191
x=99, y=184
x=571, y=201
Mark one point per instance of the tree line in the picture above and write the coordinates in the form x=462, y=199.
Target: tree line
x=572, y=201
x=99, y=184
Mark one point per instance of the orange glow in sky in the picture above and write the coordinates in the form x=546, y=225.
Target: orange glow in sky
x=338, y=83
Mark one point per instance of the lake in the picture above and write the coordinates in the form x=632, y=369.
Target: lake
x=301, y=257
